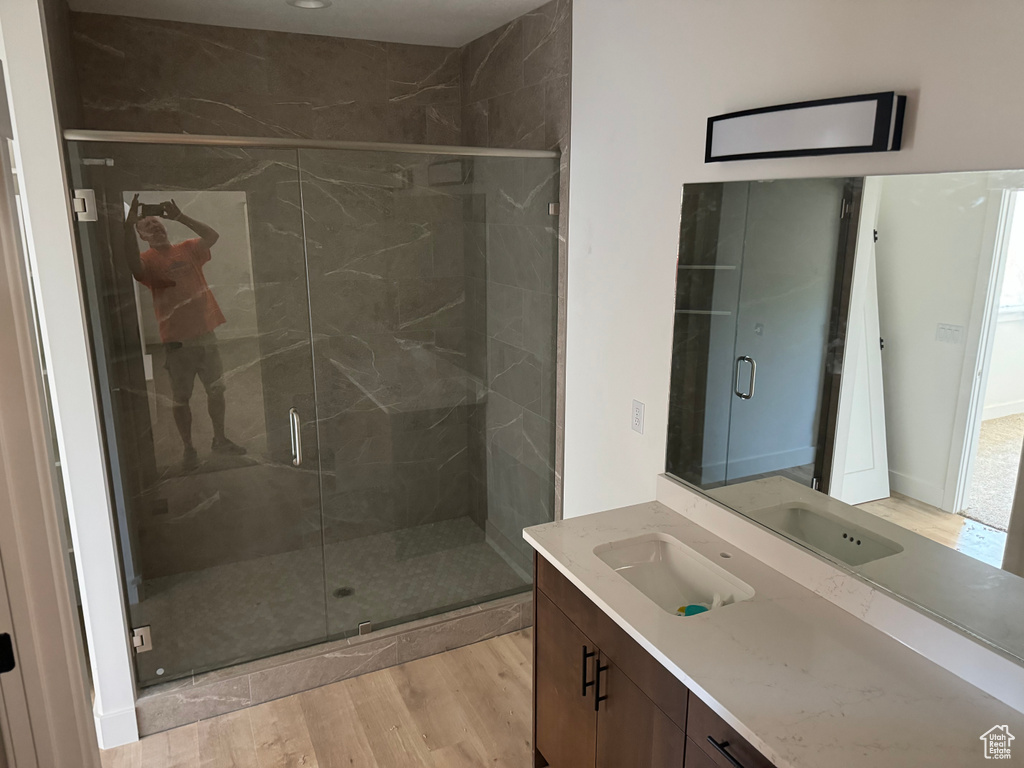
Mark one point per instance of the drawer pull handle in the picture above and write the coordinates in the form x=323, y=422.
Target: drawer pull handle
x=586, y=655
x=598, y=698
x=723, y=749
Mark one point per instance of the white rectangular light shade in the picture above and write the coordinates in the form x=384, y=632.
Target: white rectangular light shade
x=833, y=125
x=857, y=124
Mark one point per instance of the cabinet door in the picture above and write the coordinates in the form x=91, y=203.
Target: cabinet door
x=695, y=757
x=631, y=731
x=566, y=718
x=719, y=740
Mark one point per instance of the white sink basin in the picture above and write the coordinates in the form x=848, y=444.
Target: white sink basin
x=670, y=573
x=826, y=533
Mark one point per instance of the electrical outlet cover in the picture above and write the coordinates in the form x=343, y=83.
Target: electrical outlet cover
x=638, y=417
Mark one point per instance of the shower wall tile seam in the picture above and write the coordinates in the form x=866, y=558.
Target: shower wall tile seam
x=216, y=693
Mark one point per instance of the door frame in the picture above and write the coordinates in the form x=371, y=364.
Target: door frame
x=45, y=717
x=978, y=353
x=846, y=258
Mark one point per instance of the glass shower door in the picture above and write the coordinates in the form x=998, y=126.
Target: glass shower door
x=432, y=283
x=201, y=338
x=783, y=315
x=758, y=304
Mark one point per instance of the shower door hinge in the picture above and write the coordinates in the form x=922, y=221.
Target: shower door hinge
x=815, y=483
x=366, y=627
x=553, y=209
x=84, y=202
x=142, y=639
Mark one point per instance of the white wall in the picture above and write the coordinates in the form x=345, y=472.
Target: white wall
x=932, y=231
x=1004, y=389
x=646, y=76
x=1004, y=394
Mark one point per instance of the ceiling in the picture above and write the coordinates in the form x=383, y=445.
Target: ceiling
x=450, y=23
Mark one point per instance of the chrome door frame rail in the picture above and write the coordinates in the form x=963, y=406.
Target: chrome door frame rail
x=141, y=137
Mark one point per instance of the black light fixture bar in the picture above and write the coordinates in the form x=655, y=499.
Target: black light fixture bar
x=871, y=122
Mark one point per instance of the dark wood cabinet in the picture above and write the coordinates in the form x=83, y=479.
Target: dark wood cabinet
x=719, y=740
x=696, y=757
x=565, y=660
x=602, y=701
x=631, y=731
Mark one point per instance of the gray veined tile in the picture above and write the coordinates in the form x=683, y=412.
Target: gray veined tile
x=430, y=303
x=348, y=120
x=459, y=632
x=504, y=425
x=474, y=124
x=339, y=664
x=546, y=42
x=517, y=119
x=444, y=124
x=492, y=64
x=516, y=374
x=505, y=313
x=420, y=74
x=191, y=704
x=327, y=69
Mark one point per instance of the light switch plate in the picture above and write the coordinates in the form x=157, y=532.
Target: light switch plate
x=949, y=334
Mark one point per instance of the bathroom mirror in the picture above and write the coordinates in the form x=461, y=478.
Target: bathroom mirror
x=847, y=370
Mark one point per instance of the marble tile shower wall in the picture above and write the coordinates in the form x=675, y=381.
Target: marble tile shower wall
x=388, y=287
x=147, y=75
x=516, y=93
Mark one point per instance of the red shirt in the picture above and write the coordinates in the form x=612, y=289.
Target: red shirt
x=187, y=308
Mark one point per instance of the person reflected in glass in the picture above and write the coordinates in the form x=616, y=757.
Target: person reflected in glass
x=187, y=314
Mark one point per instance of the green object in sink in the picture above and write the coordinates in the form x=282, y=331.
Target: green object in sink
x=691, y=610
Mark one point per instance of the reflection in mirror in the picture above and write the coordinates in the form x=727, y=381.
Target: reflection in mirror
x=847, y=371
x=190, y=256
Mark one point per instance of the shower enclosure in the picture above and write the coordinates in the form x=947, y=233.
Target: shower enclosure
x=359, y=343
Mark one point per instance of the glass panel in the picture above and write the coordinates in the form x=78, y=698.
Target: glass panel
x=789, y=256
x=755, y=288
x=432, y=290
x=200, y=328
x=707, y=293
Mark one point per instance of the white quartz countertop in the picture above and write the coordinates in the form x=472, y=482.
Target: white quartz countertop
x=805, y=682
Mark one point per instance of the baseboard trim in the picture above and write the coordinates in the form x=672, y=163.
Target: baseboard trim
x=115, y=729
x=917, y=489
x=1001, y=410
x=770, y=462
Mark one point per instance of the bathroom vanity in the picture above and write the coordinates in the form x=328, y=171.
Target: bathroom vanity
x=774, y=675
x=590, y=712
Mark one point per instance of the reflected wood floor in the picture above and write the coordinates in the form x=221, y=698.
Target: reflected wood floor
x=980, y=541
x=466, y=707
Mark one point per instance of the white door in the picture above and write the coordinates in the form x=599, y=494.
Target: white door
x=860, y=467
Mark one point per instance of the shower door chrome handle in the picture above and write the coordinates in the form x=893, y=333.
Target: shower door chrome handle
x=753, y=375
x=296, y=425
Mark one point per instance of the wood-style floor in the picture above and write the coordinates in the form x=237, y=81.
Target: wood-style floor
x=975, y=539
x=467, y=707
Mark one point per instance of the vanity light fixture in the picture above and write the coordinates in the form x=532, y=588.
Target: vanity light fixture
x=310, y=5
x=871, y=122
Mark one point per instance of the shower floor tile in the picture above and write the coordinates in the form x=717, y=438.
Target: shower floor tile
x=241, y=611
x=414, y=572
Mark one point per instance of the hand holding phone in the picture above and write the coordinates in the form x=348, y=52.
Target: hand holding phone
x=150, y=209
